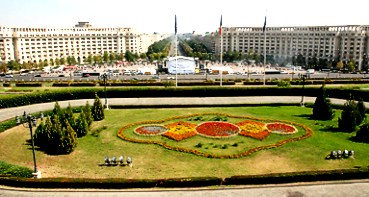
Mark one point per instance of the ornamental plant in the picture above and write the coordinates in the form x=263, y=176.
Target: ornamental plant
x=363, y=134
x=82, y=127
x=350, y=117
x=87, y=111
x=322, y=109
x=97, y=109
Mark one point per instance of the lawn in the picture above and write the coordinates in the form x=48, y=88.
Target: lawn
x=154, y=161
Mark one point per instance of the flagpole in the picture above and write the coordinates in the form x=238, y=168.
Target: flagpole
x=221, y=50
x=176, y=60
x=176, y=43
x=264, y=29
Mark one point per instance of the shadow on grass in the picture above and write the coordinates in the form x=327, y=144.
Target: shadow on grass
x=306, y=116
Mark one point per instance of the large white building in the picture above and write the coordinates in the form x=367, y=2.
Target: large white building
x=323, y=42
x=40, y=44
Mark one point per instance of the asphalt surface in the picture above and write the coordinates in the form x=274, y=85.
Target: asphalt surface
x=9, y=113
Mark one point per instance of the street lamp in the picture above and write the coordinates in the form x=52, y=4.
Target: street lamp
x=30, y=121
x=105, y=77
x=303, y=87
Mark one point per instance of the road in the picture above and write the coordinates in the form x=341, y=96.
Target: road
x=335, y=189
x=181, y=77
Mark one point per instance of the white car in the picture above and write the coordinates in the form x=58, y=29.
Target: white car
x=8, y=76
x=170, y=77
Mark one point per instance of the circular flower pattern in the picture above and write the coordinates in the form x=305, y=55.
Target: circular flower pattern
x=217, y=129
x=150, y=130
x=281, y=128
x=253, y=129
x=180, y=130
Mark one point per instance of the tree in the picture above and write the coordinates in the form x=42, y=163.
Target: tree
x=57, y=61
x=81, y=125
x=106, y=57
x=349, y=117
x=322, y=109
x=69, y=139
x=55, y=136
x=339, y=65
x=363, y=134
x=68, y=116
x=351, y=65
x=3, y=67
x=62, y=61
x=87, y=112
x=112, y=57
x=361, y=109
x=130, y=57
x=97, y=109
x=40, y=136
x=89, y=59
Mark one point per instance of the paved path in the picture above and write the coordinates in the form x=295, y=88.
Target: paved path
x=333, y=189
x=9, y=113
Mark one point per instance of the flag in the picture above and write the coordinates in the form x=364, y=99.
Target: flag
x=220, y=27
x=265, y=23
x=175, y=24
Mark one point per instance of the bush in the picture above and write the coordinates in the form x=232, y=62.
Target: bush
x=13, y=170
x=322, y=109
x=349, y=117
x=363, y=134
x=81, y=125
x=283, y=84
x=97, y=110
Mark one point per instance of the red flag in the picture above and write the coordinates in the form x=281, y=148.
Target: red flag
x=220, y=27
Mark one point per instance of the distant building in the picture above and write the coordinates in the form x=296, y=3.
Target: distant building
x=323, y=42
x=44, y=44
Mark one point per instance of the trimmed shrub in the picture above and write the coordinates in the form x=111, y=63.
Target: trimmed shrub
x=363, y=134
x=361, y=108
x=81, y=125
x=349, y=117
x=97, y=109
x=87, y=111
x=322, y=109
x=69, y=139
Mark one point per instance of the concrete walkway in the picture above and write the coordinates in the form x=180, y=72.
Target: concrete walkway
x=10, y=113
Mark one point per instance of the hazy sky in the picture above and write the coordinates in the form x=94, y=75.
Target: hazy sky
x=192, y=15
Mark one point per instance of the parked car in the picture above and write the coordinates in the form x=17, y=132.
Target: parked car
x=37, y=75
x=9, y=76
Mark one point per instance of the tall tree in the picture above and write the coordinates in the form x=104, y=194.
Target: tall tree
x=97, y=109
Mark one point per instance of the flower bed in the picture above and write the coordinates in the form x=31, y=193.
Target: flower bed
x=150, y=130
x=281, y=128
x=217, y=129
x=180, y=130
x=287, y=125
x=253, y=129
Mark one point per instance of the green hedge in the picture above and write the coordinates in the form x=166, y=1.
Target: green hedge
x=139, y=92
x=14, y=171
x=28, y=84
x=278, y=178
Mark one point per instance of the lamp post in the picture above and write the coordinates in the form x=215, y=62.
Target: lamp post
x=30, y=121
x=105, y=77
x=303, y=87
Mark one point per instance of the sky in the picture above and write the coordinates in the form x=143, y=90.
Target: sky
x=201, y=16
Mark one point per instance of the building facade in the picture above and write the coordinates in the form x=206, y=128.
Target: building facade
x=44, y=44
x=331, y=43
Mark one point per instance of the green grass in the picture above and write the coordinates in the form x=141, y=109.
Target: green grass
x=153, y=161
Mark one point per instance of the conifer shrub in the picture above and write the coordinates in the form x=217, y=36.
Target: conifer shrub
x=82, y=127
x=87, y=111
x=350, y=117
x=97, y=109
x=322, y=109
x=363, y=134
